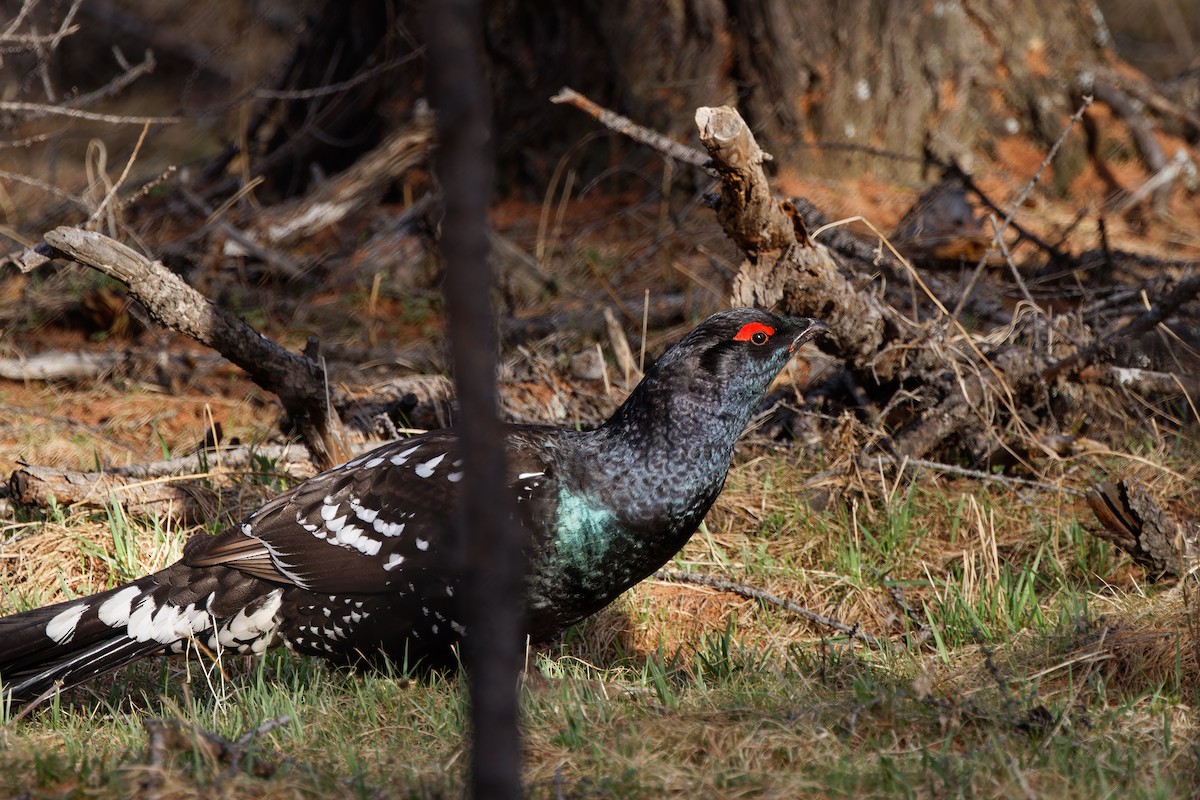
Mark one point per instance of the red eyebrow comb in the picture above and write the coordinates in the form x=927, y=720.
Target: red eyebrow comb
x=751, y=328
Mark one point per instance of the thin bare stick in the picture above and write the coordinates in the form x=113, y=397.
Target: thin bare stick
x=723, y=585
x=112, y=190
x=11, y=31
x=951, y=469
x=1184, y=290
x=335, y=88
x=1021, y=198
x=117, y=84
x=42, y=109
x=45, y=187
x=1003, y=246
x=278, y=260
x=624, y=125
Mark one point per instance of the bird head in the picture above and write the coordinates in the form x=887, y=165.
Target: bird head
x=726, y=364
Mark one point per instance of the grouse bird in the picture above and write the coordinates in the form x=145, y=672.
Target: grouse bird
x=358, y=561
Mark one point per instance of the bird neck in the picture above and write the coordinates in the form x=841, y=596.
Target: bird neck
x=666, y=446
x=681, y=421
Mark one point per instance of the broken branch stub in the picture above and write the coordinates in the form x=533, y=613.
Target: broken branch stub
x=297, y=380
x=799, y=277
x=1132, y=520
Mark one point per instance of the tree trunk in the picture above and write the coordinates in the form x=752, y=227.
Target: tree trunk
x=898, y=76
x=905, y=77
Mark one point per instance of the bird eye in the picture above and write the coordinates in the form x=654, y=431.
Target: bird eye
x=755, y=333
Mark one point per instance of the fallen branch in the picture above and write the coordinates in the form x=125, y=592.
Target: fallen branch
x=242, y=241
x=299, y=381
x=1143, y=137
x=240, y=457
x=33, y=485
x=784, y=268
x=147, y=364
x=951, y=469
x=1159, y=310
x=361, y=184
x=1158, y=184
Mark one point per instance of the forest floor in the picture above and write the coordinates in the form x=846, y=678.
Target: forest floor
x=1017, y=655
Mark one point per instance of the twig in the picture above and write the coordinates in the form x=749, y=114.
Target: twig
x=114, y=188
x=623, y=125
x=1022, y=197
x=1143, y=137
x=117, y=84
x=723, y=585
x=281, y=262
x=42, y=109
x=341, y=86
x=45, y=187
x=26, y=7
x=951, y=469
x=1158, y=184
x=1020, y=281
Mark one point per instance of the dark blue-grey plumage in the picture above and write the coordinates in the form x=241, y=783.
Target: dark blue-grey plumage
x=359, y=560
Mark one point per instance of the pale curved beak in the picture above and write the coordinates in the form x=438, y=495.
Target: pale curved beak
x=811, y=329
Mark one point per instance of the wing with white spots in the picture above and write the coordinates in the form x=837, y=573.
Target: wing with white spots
x=370, y=525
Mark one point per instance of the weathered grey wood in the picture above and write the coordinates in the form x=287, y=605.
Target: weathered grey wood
x=297, y=380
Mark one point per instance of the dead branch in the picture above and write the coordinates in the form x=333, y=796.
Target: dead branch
x=277, y=260
x=1132, y=520
x=42, y=109
x=1143, y=137
x=623, y=125
x=1159, y=310
x=186, y=503
x=358, y=186
x=1158, y=185
x=284, y=456
x=59, y=366
x=420, y=400
x=975, y=474
x=130, y=73
x=784, y=267
x=298, y=380
x=747, y=211
x=154, y=364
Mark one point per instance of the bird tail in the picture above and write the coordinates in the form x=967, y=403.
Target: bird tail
x=65, y=644
x=68, y=643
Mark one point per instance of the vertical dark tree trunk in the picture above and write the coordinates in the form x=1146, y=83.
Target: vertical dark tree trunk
x=490, y=539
